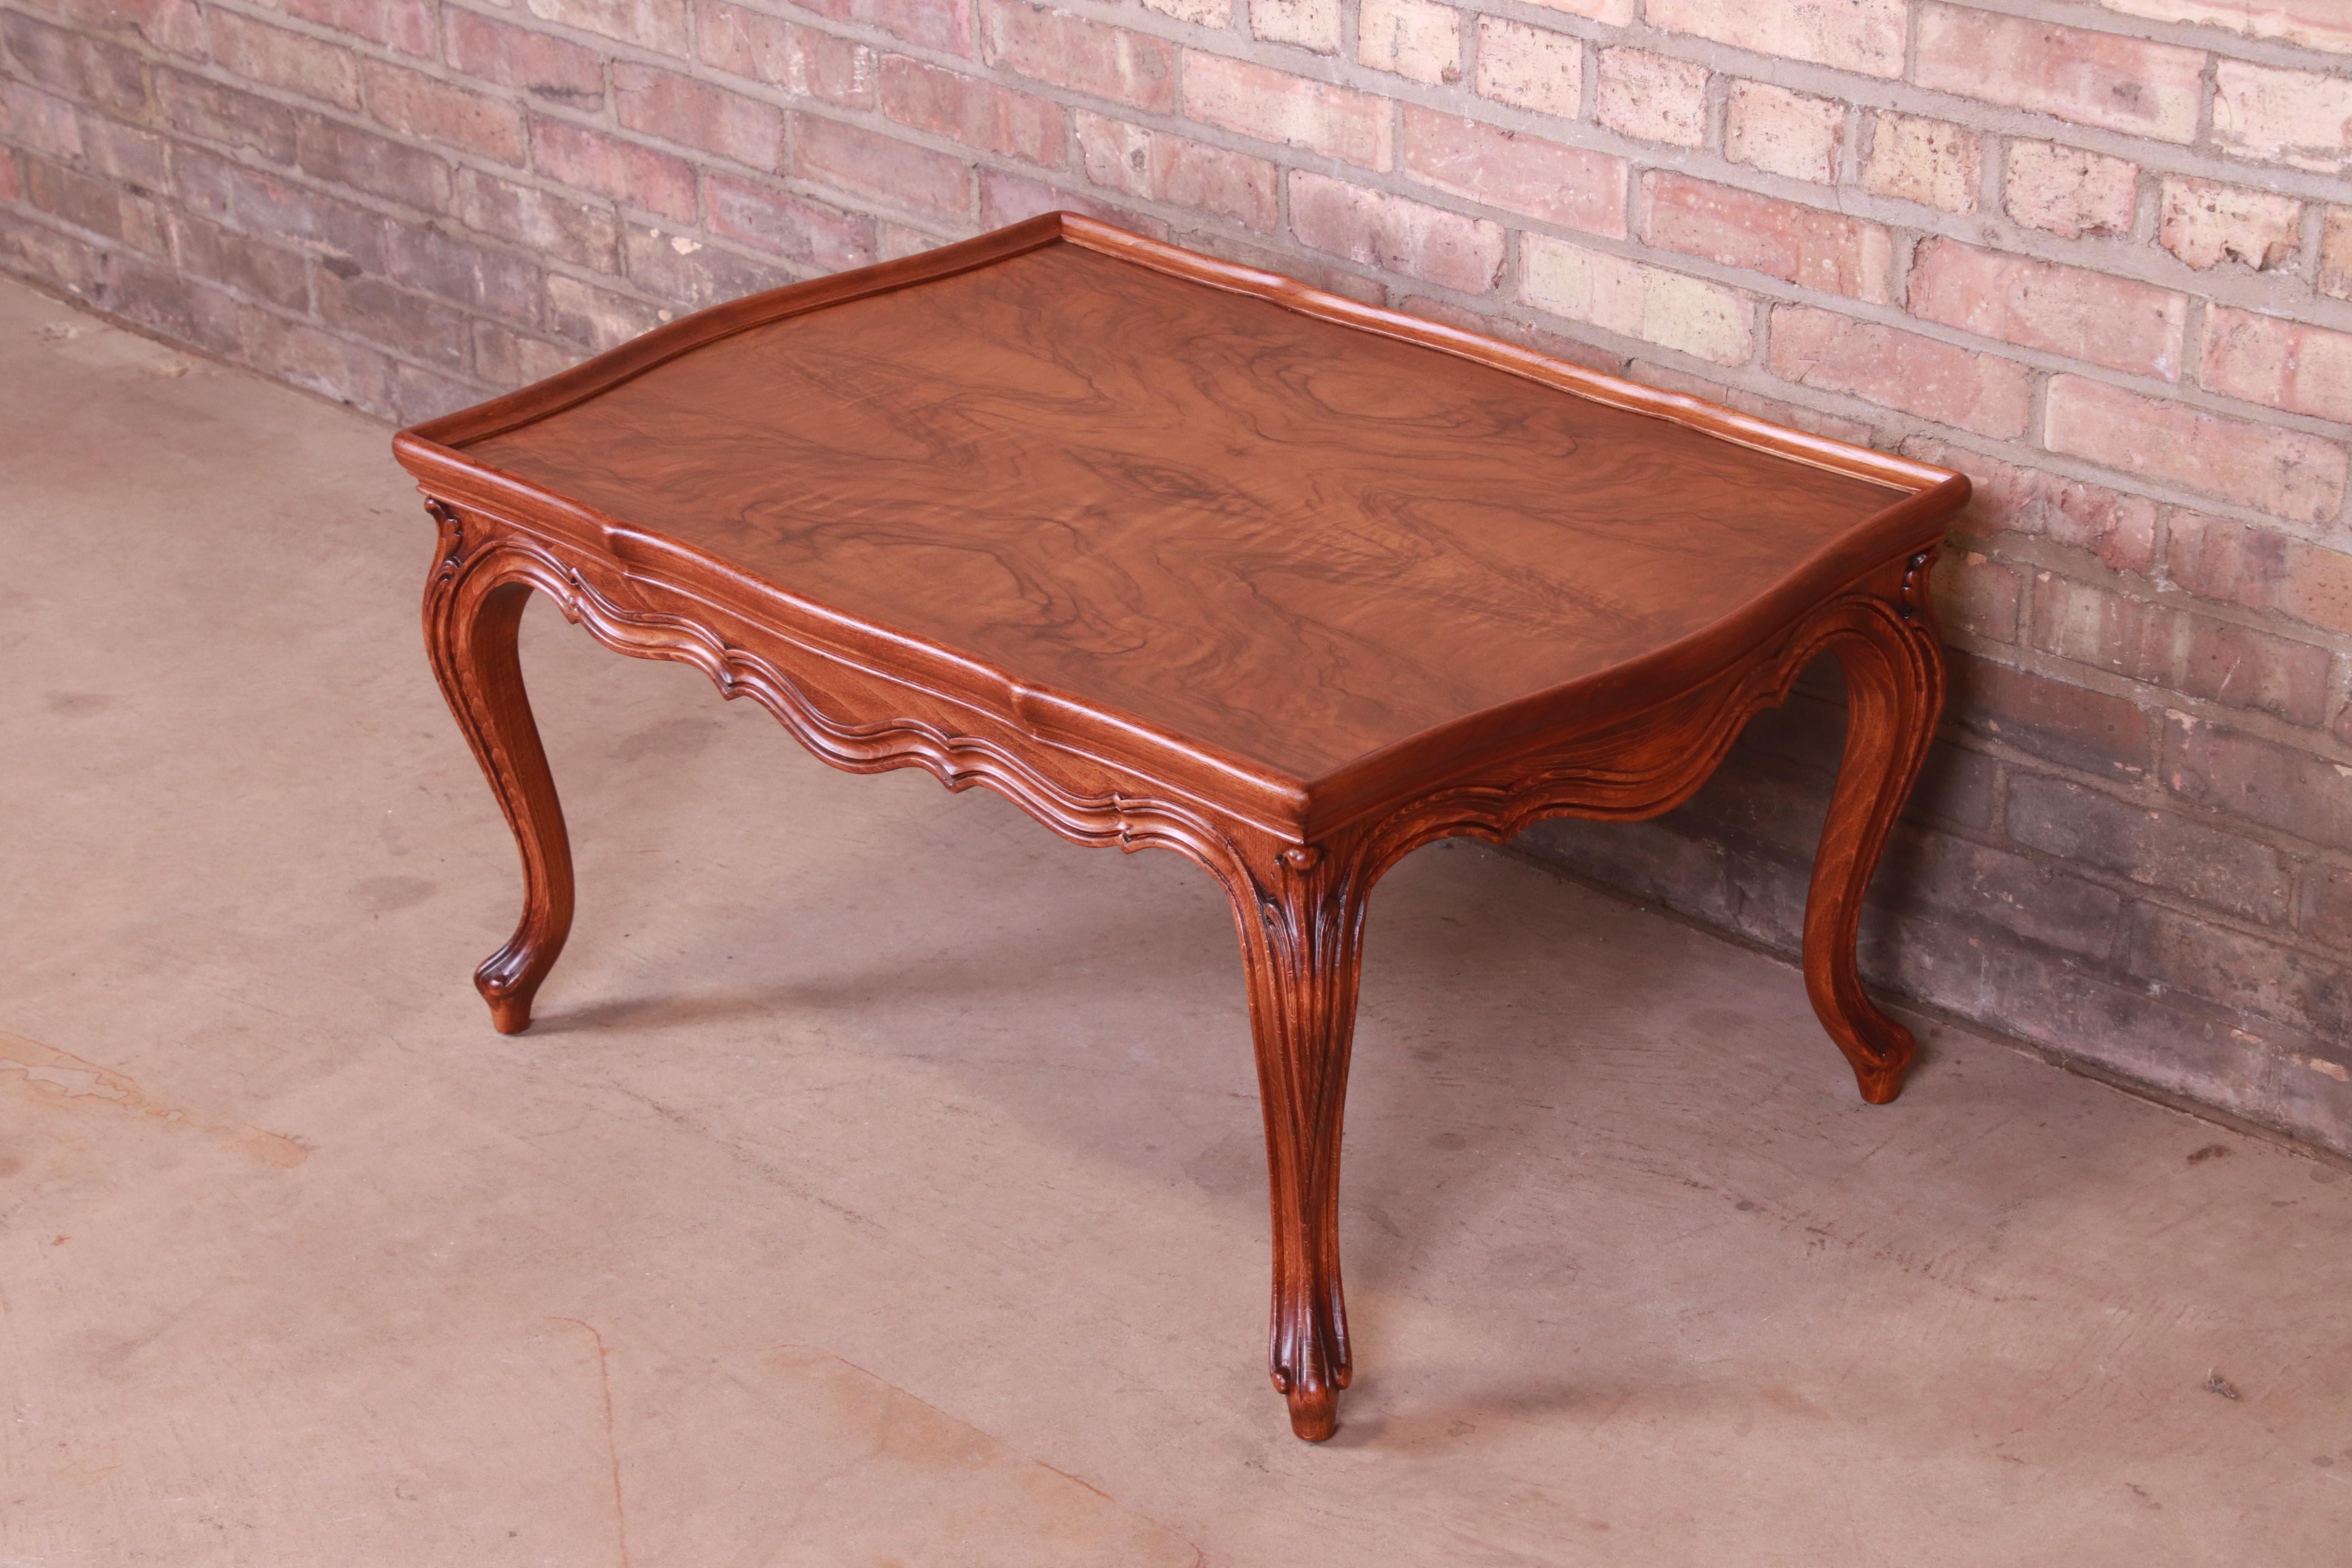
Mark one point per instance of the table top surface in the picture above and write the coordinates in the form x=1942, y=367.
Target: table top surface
x=1284, y=535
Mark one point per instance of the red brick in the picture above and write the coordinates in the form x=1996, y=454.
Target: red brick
x=2336, y=254
x=1574, y=351
x=1373, y=228
x=1572, y=186
x=2092, y=79
x=291, y=62
x=174, y=26
x=1275, y=106
x=2155, y=848
x=1901, y=370
x=1008, y=198
x=147, y=227
x=1863, y=35
x=2282, y=363
x=1801, y=244
x=976, y=112
x=2248, y=975
x=402, y=25
x=508, y=359
x=2206, y=223
x=138, y=160
x=1159, y=167
x=40, y=121
x=1796, y=415
x=172, y=304
x=1976, y=595
x=68, y=263
x=1082, y=56
x=2260, y=568
x=1930, y=161
x=2302, y=118
x=2039, y=305
x=2118, y=529
x=656, y=24
x=332, y=366
x=2280, y=471
x=2216, y=766
x=254, y=268
x=747, y=43
x=69, y=194
x=196, y=107
x=2313, y=24
x=1652, y=97
x=474, y=275
x=420, y=394
x=942, y=24
x=545, y=67
x=12, y=182
x=1532, y=68
x=2068, y=192
x=2020, y=895
x=371, y=308
x=596, y=318
x=258, y=203
x=1615, y=13
x=835, y=70
x=1216, y=14
x=75, y=66
x=2061, y=723
x=88, y=203
x=2192, y=654
x=802, y=59
x=698, y=114
x=800, y=230
x=683, y=271
x=897, y=242
x=417, y=105
x=592, y=160
x=538, y=220
x=2327, y=907
x=1654, y=304
x=1292, y=262
x=343, y=155
x=1783, y=132
x=1309, y=24
x=1415, y=38
x=1955, y=785
x=880, y=166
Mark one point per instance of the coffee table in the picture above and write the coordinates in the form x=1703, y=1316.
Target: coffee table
x=1174, y=552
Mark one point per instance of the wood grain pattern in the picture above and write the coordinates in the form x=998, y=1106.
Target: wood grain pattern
x=1307, y=545
x=1175, y=553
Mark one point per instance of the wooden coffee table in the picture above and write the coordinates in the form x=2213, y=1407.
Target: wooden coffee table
x=1170, y=552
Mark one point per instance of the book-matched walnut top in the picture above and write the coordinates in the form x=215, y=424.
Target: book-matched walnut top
x=1258, y=523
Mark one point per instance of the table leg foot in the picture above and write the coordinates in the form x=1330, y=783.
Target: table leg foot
x=472, y=616
x=1309, y=1359
x=1301, y=921
x=1894, y=690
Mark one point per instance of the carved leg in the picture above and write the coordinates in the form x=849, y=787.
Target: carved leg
x=1302, y=921
x=1894, y=690
x=470, y=622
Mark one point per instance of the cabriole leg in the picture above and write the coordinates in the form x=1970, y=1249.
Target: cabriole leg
x=1895, y=690
x=470, y=622
x=1301, y=923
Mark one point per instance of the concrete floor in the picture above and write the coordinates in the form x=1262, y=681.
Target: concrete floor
x=882, y=1185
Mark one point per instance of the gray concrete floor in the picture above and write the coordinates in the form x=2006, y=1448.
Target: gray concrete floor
x=882, y=1185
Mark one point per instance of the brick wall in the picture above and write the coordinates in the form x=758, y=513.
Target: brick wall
x=2097, y=254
